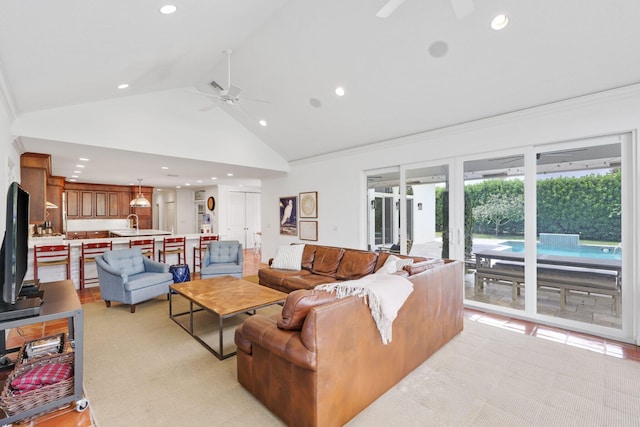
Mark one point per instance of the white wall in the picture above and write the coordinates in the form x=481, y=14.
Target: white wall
x=9, y=157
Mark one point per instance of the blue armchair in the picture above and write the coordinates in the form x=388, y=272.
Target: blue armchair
x=129, y=277
x=222, y=258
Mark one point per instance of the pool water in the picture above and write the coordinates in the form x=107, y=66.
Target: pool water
x=583, y=251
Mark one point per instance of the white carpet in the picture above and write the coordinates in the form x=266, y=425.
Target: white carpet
x=143, y=370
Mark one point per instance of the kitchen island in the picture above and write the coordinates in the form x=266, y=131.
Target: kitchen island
x=56, y=273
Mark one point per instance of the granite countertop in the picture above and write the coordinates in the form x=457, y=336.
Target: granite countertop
x=130, y=232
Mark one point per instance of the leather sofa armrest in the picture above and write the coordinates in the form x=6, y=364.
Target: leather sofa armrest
x=264, y=332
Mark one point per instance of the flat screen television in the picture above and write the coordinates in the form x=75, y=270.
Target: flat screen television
x=15, y=244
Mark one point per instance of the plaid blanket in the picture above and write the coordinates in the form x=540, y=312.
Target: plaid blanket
x=42, y=376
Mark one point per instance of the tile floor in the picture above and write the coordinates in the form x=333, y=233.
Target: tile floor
x=69, y=417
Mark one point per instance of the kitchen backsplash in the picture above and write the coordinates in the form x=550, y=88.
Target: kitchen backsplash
x=96, y=224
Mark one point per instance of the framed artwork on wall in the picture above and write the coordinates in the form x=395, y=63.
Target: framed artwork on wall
x=309, y=230
x=309, y=204
x=289, y=215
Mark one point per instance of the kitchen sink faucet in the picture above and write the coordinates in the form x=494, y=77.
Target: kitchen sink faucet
x=136, y=223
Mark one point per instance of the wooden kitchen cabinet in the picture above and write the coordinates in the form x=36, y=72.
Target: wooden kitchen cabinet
x=73, y=204
x=34, y=181
x=86, y=204
x=75, y=235
x=100, y=210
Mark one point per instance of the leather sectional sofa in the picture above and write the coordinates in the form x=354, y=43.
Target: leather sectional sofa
x=327, y=264
x=322, y=361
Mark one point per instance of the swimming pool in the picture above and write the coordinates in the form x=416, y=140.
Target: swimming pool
x=583, y=251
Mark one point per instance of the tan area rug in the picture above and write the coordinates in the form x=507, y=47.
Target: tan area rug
x=142, y=369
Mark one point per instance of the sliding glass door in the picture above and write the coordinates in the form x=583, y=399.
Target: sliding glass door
x=579, y=234
x=494, y=224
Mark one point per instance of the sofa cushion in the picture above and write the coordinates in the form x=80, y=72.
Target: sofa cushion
x=288, y=257
x=308, y=255
x=298, y=305
x=356, y=264
x=326, y=260
x=128, y=261
x=308, y=281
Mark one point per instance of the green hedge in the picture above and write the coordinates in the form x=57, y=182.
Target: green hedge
x=588, y=206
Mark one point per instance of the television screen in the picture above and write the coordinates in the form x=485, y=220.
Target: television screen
x=15, y=244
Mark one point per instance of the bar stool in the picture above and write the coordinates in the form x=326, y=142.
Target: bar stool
x=89, y=253
x=173, y=245
x=49, y=255
x=148, y=247
x=202, y=246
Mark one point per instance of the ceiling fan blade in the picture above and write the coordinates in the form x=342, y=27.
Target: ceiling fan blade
x=208, y=95
x=209, y=108
x=463, y=8
x=255, y=100
x=389, y=8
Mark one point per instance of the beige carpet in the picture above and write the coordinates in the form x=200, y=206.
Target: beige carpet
x=143, y=370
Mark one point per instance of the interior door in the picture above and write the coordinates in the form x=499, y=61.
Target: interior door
x=244, y=217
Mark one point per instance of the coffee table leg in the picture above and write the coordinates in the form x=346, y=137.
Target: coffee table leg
x=191, y=317
x=221, y=336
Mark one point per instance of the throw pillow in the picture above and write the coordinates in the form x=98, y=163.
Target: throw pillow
x=297, y=306
x=288, y=257
x=389, y=266
x=401, y=262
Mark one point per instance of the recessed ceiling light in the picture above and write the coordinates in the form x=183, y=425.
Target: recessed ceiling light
x=499, y=22
x=168, y=9
x=83, y=159
x=123, y=86
x=199, y=181
x=164, y=167
x=263, y=122
x=187, y=184
x=77, y=171
x=71, y=180
x=79, y=166
x=214, y=177
x=340, y=91
x=177, y=186
x=229, y=174
x=74, y=176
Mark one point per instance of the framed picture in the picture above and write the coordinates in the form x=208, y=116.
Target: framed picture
x=289, y=215
x=308, y=230
x=309, y=204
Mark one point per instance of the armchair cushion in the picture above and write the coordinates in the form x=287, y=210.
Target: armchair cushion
x=126, y=261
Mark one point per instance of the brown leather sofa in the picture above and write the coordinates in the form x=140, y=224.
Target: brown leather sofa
x=322, y=361
x=327, y=264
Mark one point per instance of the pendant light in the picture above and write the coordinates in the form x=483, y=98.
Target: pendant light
x=140, y=201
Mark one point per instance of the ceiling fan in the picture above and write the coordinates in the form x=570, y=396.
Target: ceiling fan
x=231, y=94
x=461, y=8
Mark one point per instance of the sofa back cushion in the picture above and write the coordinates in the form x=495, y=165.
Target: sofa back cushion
x=356, y=264
x=326, y=260
x=297, y=306
x=382, y=259
x=127, y=261
x=223, y=251
x=308, y=255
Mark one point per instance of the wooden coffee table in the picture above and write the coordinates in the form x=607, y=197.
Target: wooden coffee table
x=224, y=296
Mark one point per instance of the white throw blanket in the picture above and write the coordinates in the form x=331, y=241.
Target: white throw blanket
x=384, y=293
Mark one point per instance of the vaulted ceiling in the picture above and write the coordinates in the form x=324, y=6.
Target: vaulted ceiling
x=426, y=66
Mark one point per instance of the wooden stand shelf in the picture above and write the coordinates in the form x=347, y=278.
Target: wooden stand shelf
x=60, y=301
